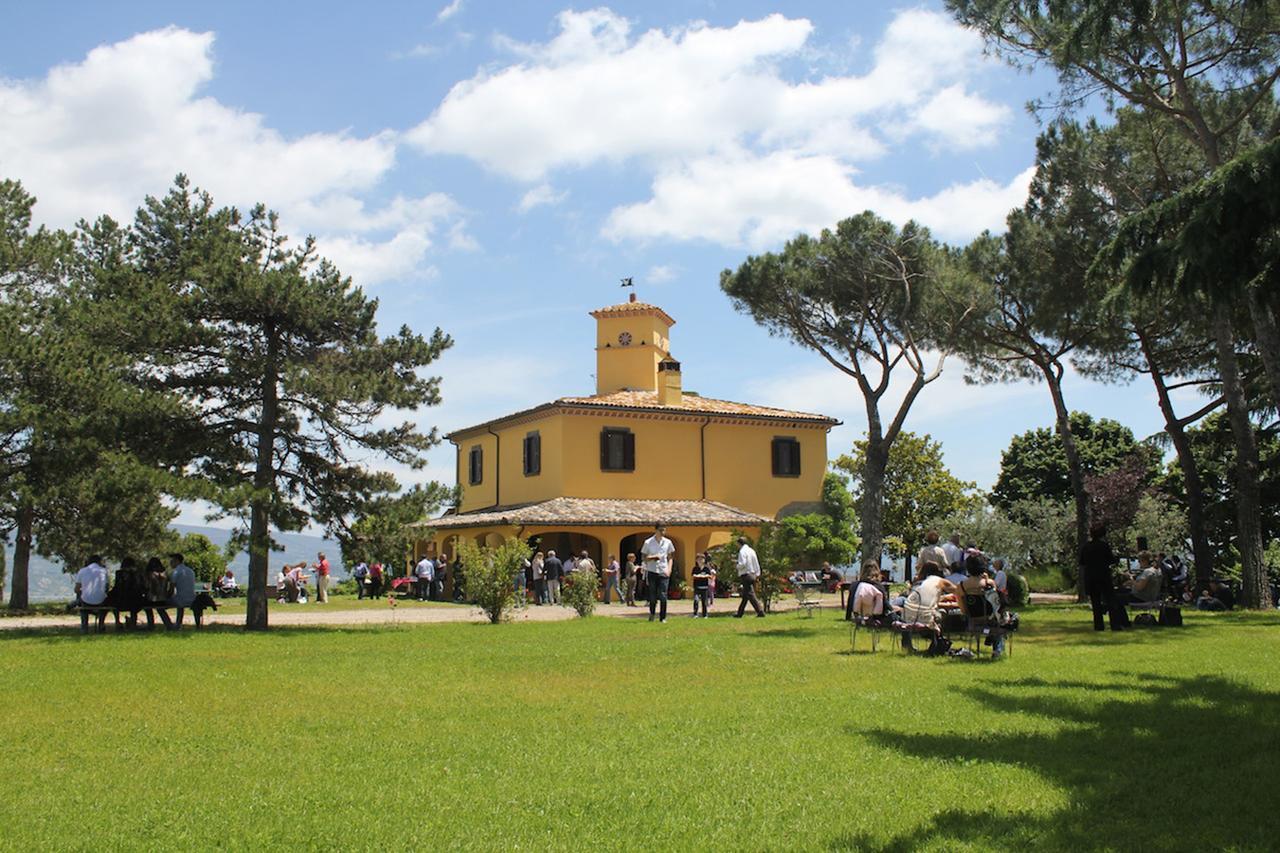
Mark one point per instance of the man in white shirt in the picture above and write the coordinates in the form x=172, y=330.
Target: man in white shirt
x=183, y=578
x=748, y=574
x=954, y=553
x=91, y=591
x=426, y=572
x=656, y=554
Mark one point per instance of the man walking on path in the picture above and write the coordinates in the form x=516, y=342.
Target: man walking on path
x=322, y=579
x=656, y=553
x=748, y=573
x=553, y=570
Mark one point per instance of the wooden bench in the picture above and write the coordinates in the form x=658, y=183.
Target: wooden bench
x=101, y=610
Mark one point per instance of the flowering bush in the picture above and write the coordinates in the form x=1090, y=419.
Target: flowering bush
x=489, y=572
x=580, y=592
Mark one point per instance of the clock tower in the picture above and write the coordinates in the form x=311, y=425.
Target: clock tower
x=632, y=340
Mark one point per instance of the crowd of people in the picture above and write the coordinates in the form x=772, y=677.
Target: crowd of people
x=1159, y=577
x=291, y=581
x=136, y=589
x=429, y=576
x=637, y=579
x=951, y=581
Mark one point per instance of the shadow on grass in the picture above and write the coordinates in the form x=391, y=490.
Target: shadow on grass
x=1147, y=762
x=783, y=633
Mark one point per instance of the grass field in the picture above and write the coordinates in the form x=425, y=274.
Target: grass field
x=618, y=733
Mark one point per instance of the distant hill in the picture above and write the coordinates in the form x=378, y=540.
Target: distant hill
x=49, y=583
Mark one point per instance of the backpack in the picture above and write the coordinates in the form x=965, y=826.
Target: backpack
x=939, y=646
x=1171, y=617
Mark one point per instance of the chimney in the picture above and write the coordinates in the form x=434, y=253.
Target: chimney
x=669, y=390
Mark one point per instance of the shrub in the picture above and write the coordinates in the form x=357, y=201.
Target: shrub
x=580, y=591
x=1019, y=592
x=489, y=572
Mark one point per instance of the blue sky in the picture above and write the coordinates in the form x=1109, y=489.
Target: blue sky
x=495, y=169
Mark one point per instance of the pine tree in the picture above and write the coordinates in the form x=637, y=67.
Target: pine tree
x=277, y=357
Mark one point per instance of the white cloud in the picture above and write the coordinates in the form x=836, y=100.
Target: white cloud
x=758, y=202
x=597, y=93
x=660, y=273
x=368, y=262
x=96, y=136
x=542, y=194
x=959, y=119
x=449, y=11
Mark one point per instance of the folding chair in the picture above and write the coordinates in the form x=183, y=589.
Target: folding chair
x=871, y=624
x=984, y=623
x=808, y=590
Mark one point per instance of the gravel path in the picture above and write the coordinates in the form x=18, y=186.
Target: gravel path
x=410, y=614
x=403, y=615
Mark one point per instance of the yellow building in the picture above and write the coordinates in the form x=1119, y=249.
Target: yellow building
x=596, y=473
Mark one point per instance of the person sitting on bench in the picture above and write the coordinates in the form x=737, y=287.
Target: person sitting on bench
x=128, y=593
x=158, y=591
x=183, y=578
x=227, y=584
x=91, y=591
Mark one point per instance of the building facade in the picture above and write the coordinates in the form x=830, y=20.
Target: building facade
x=596, y=473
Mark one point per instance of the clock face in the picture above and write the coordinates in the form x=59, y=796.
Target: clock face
x=624, y=339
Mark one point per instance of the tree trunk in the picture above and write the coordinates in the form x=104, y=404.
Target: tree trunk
x=4, y=553
x=872, y=504
x=18, y=598
x=1248, y=501
x=1075, y=472
x=1201, y=552
x=263, y=485
x=1268, y=341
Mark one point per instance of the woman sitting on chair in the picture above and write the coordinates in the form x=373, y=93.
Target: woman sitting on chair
x=979, y=586
x=868, y=595
x=922, y=607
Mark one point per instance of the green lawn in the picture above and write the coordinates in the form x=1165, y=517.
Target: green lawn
x=618, y=733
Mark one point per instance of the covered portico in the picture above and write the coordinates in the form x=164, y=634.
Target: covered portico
x=601, y=527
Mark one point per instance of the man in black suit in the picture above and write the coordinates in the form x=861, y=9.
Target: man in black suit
x=1096, y=562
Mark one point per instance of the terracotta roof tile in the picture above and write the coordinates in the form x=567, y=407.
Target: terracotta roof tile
x=692, y=403
x=632, y=308
x=602, y=511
